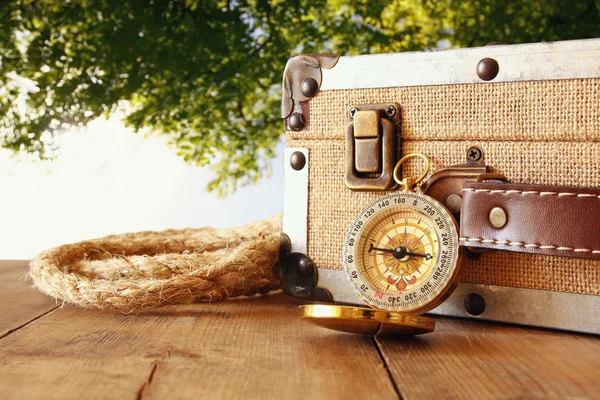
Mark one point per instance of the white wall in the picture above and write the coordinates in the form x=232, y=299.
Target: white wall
x=107, y=180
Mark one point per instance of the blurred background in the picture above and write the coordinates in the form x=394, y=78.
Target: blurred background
x=130, y=115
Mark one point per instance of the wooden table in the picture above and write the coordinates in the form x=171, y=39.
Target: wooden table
x=258, y=348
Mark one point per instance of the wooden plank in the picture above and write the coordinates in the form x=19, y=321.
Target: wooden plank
x=475, y=359
x=20, y=303
x=252, y=348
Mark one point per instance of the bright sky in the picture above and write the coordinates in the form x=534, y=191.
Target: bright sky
x=108, y=180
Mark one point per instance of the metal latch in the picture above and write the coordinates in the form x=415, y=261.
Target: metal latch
x=370, y=146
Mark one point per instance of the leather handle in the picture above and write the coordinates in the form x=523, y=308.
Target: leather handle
x=549, y=220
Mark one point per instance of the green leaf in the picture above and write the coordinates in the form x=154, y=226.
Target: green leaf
x=207, y=74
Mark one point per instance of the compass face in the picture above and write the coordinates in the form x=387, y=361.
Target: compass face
x=401, y=253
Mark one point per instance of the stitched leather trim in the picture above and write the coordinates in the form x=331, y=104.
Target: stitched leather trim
x=531, y=192
x=532, y=245
x=550, y=220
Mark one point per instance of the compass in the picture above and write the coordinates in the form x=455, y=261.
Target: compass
x=401, y=255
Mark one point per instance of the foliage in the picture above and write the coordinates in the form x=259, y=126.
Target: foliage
x=207, y=73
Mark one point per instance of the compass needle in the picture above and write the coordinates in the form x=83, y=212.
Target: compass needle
x=391, y=240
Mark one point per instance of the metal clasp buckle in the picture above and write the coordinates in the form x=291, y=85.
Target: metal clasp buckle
x=370, y=147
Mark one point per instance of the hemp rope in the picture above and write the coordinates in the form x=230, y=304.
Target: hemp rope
x=148, y=269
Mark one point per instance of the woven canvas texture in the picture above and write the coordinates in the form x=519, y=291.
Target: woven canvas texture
x=533, y=110
x=558, y=143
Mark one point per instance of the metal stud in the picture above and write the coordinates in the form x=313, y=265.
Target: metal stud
x=474, y=304
x=487, y=69
x=309, y=87
x=498, y=217
x=453, y=202
x=297, y=160
x=296, y=121
x=473, y=253
x=305, y=267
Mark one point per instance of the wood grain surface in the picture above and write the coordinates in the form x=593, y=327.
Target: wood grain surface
x=479, y=360
x=19, y=302
x=258, y=348
x=255, y=348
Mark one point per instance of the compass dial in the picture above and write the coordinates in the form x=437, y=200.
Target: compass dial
x=401, y=253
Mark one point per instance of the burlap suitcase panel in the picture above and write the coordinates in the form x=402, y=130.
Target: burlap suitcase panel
x=544, y=131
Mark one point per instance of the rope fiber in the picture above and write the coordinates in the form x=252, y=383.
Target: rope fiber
x=149, y=269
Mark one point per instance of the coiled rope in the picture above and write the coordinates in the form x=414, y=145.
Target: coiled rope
x=149, y=269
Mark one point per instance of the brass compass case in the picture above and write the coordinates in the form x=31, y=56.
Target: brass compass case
x=529, y=121
x=401, y=253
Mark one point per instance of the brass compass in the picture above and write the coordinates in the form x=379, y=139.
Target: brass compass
x=401, y=255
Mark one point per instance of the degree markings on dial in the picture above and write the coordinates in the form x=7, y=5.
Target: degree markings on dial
x=382, y=227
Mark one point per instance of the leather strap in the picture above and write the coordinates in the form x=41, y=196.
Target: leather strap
x=549, y=220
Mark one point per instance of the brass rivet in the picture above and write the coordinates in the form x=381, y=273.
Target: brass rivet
x=309, y=87
x=487, y=69
x=297, y=160
x=498, y=217
x=296, y=121
x=453, y=202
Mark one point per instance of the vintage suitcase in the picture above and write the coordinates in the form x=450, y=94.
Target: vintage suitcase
x=493, y=121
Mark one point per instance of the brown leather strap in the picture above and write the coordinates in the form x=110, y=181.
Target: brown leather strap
x=550, y=220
